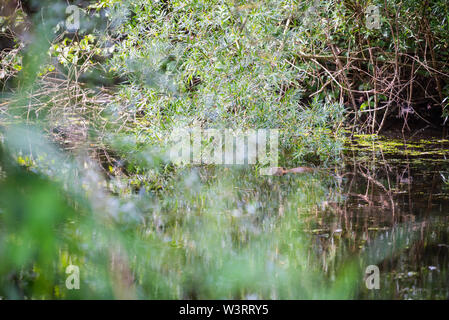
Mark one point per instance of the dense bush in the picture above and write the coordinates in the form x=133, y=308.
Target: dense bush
x=86, y=117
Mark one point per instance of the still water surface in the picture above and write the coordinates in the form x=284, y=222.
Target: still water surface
x=398, y=190
x=312, y=235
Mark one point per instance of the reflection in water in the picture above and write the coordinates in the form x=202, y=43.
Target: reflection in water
x=386, y=205
x=389, y=183
x=228, y=233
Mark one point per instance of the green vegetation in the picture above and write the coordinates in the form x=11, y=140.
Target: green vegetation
x=85, y=122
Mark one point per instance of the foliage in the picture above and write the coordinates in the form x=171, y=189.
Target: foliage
x=86, y=116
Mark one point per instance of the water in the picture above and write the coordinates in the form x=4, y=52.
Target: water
x=227, y=233
x=392, y=188
x=296, y=235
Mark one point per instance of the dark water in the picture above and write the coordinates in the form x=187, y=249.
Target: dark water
x=395, y=190
x=386, y=204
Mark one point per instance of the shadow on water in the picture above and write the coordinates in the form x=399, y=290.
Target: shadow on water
x=389, y=182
